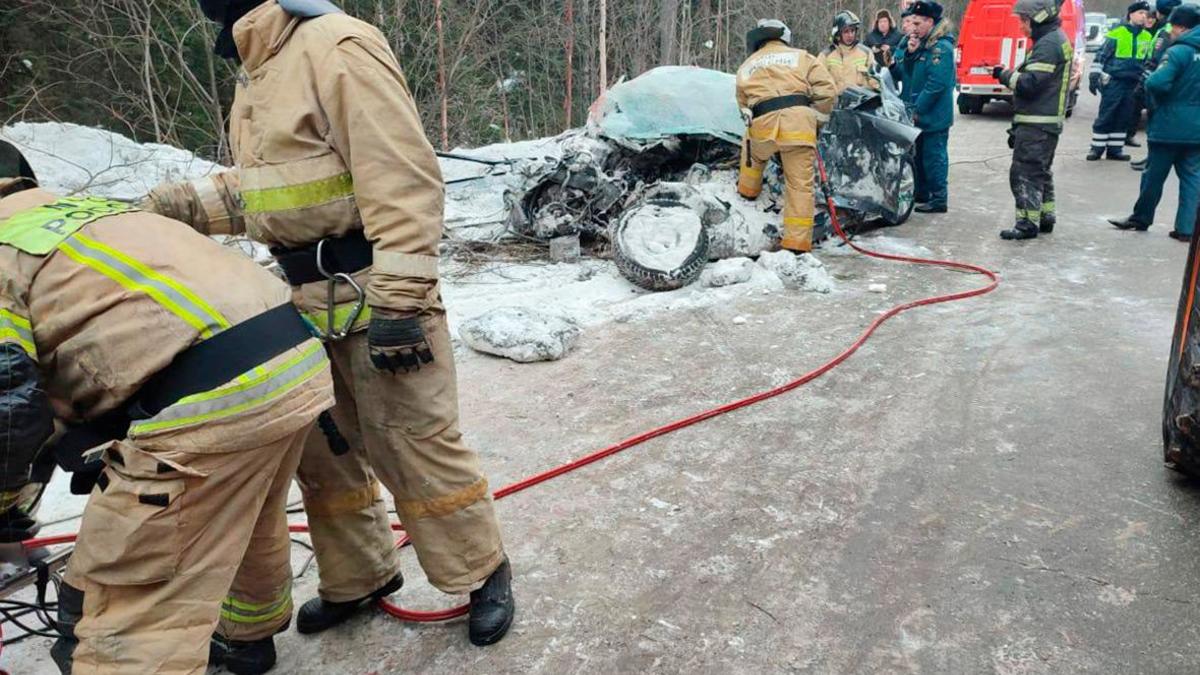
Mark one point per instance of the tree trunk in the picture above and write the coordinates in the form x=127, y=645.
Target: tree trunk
x=437, y=8
x=603, y=46
x=668, y=23
x=568, y=101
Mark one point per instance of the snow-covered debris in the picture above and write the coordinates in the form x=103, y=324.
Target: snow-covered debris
x=727, y=272
x=72, y=159
x=521, y=334
x=802, y=272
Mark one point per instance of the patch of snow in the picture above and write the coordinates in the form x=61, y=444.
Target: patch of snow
x=71, y=159
x=659, y=237
x=520, y=334
x=877, y=242
x=877, y=288
x=802, y=272
x=739, y=321
x=727, y=272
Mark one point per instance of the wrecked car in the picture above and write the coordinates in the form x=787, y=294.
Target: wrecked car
x=654, y=171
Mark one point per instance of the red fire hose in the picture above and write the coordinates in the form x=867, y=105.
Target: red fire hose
x=525, y=484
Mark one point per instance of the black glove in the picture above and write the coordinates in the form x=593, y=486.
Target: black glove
x=398, y=344
x=17, y=526
x=26, y=419
x=998, y=73
x=1012, y=138
x=1094, y=83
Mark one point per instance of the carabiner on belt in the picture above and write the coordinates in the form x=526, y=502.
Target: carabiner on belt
x=332, y=333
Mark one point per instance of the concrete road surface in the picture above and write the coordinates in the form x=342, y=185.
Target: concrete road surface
x=979, y=490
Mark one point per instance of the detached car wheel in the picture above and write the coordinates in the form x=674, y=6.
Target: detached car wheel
x=660, y=245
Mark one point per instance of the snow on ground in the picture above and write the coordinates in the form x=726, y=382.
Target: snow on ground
x=70, y=159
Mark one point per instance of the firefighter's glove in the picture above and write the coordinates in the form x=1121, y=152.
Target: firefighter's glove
x=16, y=525
x=1094, y=83
x=998, y=73
x=398, y=344
x=1012, y=138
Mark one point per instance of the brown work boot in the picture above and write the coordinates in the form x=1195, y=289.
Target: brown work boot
x=492, y=608
x=317, y=615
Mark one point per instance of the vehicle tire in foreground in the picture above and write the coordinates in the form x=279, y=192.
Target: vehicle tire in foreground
x=660, y=244
x=906, y=191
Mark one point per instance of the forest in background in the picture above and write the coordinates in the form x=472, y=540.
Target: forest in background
x=482, y=71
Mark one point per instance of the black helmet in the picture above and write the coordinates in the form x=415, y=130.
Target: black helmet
x=844, y=19
x=227, y=13
x=765, y=31
x=13, y=165
x=1038, y=11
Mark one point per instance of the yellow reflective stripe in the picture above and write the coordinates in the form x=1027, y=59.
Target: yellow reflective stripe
x=276, y=610
x=1037, y=119
x=320, y=320
x=751, y=172
x=1048, y=207
x=16, y=328
x=798, y=220
x=234, y=399
x=299, y=196
x=133, y=275
x=1041, y=67
x=284, y=596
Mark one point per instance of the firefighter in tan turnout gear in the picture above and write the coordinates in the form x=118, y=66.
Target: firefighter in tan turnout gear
x=335, y=175
x=850, y=62
x=786, y=92
x=186, y=371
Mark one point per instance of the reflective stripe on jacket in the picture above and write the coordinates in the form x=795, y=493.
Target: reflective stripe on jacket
x=1041, y=85
x=1124, y=53
x=850, y=66
x=779, y=70
x=106, y=302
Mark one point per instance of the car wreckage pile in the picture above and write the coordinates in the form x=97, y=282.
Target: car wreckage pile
x=652, y=176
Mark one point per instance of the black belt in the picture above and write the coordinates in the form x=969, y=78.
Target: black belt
x=202, y=367
x=780, y=103
x=343, y=255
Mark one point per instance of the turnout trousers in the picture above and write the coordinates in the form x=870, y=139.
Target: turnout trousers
x=1117, y=102
x=187, y=530
x=403, y=432
x=1185, y=159
x=1031, y=176
x=799, y=166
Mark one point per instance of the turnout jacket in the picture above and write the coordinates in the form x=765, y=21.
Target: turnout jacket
x=1173, y=93
x=326, y=140
x=1124, y=53
x=850, y=66
x=103, y=296
x=1040, y=85
x=779, y=70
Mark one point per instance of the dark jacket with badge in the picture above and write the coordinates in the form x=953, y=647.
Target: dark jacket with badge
x=1174, y=93
x=1041, y=85
x=928, y=77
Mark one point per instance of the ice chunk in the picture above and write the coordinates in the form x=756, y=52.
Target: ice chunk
x=728, y=272
x=803, y=272
x=520, y=334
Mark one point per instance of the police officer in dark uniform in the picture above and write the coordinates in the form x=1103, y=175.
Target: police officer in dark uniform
x=1162, y=40
x=1120, y=62
x=1040, y=88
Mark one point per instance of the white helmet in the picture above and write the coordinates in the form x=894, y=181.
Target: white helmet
x=766, y=30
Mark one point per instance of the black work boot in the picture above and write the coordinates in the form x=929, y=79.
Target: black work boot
x=929, y=208
x=1179, y=236
x=1046, y=225
x=1021, y=232
x=242, y=658
x=70, y=612
x=317, y=615
x=1095, y=154
x=492, y=608
x=1128, y=224
x=1118, y=155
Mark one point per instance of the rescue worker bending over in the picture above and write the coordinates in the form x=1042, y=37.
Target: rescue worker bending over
x=198, y=400
x=850, y=63
x=1115, y=74
x=786, y=92
x=337, y=178
x=1040, y=88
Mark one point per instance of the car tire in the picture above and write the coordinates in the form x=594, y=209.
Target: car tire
x=908, y=174
x=966, y=104
x=691, y=249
